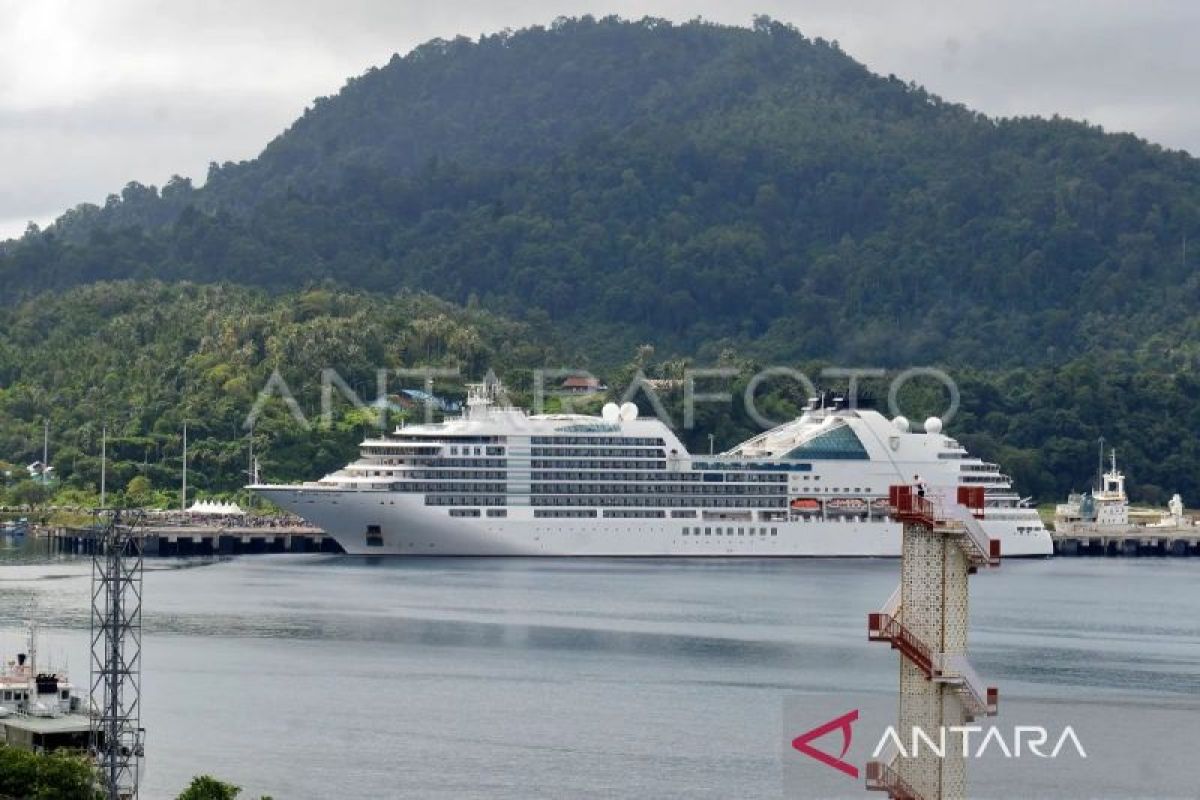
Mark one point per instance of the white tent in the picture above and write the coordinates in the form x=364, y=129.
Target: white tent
x=216, y=509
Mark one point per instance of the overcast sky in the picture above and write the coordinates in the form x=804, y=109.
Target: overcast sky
x=95, y=94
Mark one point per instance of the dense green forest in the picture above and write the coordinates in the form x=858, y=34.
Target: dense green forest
x=695, y=185
x=142, y=358
x=561, y=195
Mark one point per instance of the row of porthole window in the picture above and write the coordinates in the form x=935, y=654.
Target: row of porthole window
x=729, y=532
x=627, y=514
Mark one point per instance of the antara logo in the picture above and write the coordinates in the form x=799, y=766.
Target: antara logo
x=1034, y=738
x=842, y=723
x=1025, y=738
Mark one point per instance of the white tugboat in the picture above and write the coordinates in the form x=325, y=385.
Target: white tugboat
x=1106, y=510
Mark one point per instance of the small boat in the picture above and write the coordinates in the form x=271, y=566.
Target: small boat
x=808, y=505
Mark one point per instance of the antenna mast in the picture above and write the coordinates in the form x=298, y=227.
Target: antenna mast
x=183, y=493
x=103, y=463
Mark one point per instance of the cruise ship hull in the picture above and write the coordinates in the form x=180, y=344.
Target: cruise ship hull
x=401, y=524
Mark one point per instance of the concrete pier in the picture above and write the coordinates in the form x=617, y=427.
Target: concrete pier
x=189, y=540
x=1133, y=543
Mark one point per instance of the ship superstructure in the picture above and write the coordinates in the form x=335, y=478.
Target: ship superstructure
x=39, y=708
x=500, y=481
x=33, y=689
x=1106, y=510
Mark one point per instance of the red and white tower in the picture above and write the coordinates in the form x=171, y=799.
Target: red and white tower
x=926, y=619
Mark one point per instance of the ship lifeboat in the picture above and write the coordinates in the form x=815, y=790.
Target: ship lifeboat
x=847, y=505
x=807, y=505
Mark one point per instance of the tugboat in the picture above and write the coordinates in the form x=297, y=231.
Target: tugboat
x=1106, y=509
x=1103, y=510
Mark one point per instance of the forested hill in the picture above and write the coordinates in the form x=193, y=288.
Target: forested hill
x=695, y=186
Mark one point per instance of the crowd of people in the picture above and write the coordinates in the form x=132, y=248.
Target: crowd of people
x=192, y=519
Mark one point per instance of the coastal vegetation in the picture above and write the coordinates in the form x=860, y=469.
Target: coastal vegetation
x=206, y=787
x=143, y=358
x=562, y=195
x=63, y=775
x=55, y=776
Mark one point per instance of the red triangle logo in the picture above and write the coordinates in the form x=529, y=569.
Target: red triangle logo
x=843, y=723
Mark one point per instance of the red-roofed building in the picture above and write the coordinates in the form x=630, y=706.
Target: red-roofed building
x=582, y=384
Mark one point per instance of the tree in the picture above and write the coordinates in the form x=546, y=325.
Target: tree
x=139, y=492
x=54, y=776
x=206, y=787
x=29, y=494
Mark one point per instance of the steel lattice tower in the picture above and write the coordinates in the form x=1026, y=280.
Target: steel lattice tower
x=116, y=736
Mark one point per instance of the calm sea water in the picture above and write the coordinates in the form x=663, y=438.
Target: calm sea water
x=334, y=677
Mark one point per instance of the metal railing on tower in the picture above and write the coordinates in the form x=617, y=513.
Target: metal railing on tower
x=925, y=620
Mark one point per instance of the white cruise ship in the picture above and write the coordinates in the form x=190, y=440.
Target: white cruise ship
x=501, y=482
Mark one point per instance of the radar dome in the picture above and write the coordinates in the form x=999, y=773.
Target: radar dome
x=611, y=413
x=901, y=424
x=933, y=425
x=629, y=412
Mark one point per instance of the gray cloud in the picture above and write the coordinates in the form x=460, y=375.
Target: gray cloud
x=95, y=95
x=58, y=156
